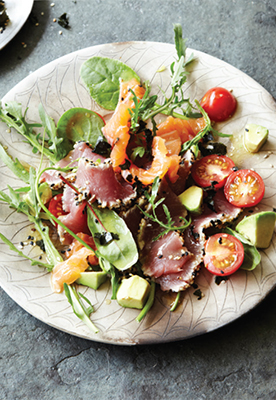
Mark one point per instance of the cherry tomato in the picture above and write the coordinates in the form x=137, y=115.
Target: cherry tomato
x=224, y=254
x=55, y=206
x=212, y=168
x=219, y=104
x=244, y=188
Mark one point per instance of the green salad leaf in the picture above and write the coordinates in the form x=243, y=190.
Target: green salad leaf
x=80, y=124
x=122, y=250
x=102, y=76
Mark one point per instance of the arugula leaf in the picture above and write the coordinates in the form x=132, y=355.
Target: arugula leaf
x=59, y=146
x=81, y=311
x=13, y=117
x=14, y=165
x=32, y=210
x=21, y=254
x=252, y=257
x=121, y=252
x=180, y=43
x=102, y=76
x=80, y=124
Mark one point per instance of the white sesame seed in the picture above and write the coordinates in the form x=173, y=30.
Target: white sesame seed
x=60, y=32
x=52, y=4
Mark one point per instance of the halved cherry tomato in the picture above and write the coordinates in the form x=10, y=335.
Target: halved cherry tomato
x=55, y=206
x=212, y=168
x=244, y=188
x=224, y=254
x=219, y=104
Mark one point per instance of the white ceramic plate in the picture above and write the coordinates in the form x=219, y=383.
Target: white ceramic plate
x=18, y=12
x=58, y=87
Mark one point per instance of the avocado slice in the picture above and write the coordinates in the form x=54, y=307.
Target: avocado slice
x=192, y=199
x=92, y=279
x=133, y=292
x=258, y=228
x=254, y=137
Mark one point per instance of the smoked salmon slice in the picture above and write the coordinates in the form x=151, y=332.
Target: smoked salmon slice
x=116, y=130
x=186, y=128
x=68, y=271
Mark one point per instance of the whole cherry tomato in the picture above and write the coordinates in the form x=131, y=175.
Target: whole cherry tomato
x=219, y=104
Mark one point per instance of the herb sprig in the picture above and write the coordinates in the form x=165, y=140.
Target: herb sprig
x=169, y=226
x=146, y=108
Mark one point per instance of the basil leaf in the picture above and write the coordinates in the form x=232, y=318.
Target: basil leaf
x=80, y=124
x=102, y=78
x=122, y=253
x=252, y=257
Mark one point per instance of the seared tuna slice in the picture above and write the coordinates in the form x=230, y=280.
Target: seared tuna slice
x=100, y=183
x=81, y=149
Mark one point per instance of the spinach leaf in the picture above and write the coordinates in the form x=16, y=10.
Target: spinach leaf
x=102, y=78
x=80, y=124
x=252, y=257
x=121, y=252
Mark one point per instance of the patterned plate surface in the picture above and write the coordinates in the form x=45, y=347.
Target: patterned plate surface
x=58, y=87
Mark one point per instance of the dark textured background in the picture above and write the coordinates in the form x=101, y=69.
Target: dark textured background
x=235, y=362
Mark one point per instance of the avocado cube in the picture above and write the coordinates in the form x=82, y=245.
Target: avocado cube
x=254, y=137
x=192, y=199
x=258, y=228
x=133, y=292
x=92, y=279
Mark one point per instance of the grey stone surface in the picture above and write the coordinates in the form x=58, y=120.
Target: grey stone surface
x=235, y=362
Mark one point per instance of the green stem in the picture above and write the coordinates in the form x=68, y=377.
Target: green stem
x=175, y=303
x=148, y=304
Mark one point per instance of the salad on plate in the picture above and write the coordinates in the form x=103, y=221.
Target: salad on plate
x=141, y=203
